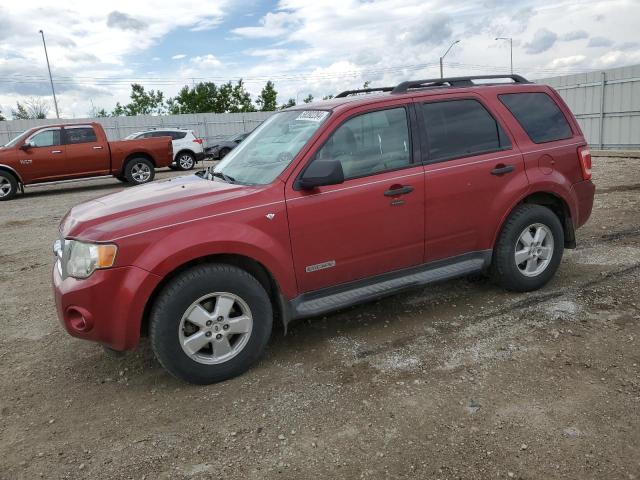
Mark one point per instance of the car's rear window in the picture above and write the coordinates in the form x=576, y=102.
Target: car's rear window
x=538, y=115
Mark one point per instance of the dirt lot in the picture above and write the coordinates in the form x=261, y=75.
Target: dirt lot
x=457, y=380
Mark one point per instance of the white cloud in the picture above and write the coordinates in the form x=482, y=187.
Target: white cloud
x=179, y=56
x=206, y=61
x=317, y=47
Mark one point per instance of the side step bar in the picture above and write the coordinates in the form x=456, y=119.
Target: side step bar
x=335, y=298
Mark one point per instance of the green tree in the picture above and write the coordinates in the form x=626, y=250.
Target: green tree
x=267, y=99
x=290, y=103
x=327, y=97
x=366, y=84
x=101, y=113
x=142, y=102
x=2, y=119
x=31, y=108
x=209, y=97
x=308, y=99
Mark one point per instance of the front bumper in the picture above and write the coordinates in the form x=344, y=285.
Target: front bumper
x=107, y=307
x=583, y=192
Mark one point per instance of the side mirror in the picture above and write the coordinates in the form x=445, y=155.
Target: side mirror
x=319, y=173
x=27, y=146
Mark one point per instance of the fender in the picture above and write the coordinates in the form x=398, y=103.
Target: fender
x=179, y=246
x=12, y=170
x=551, y=187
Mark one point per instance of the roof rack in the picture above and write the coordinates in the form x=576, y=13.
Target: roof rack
x=453, y=82
x=346, y=93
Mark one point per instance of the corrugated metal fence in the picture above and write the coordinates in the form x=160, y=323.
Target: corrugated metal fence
x=606, y=104
x=210, y=126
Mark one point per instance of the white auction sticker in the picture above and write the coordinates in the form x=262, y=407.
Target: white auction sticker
x=312, y=115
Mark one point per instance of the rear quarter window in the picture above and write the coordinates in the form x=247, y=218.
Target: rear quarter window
x=178, y=135
x=539, y=116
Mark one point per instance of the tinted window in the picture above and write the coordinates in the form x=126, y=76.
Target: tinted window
x=47, y=138
x=461, y=128
x=370, y=143
x=538, y=115
x=80, y=135
x=178, y=135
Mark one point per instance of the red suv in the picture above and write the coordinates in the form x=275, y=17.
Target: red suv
x=325, y=206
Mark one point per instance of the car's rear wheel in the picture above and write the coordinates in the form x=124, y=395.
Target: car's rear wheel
x=8, y=186
x=223, y=153
x=185, y=161
x=139, y=171
x=210, y=323
x=529, y=249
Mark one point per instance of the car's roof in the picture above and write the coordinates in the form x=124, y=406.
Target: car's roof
x=356, y=99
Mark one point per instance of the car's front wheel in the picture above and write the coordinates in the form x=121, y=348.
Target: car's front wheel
x=185, y=161
x=210, y=323
x=8, y=186
x=529, y=249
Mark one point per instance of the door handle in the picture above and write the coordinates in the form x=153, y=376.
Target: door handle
x=56, y=151
x=502, y=169
x=97, y=148
x=403, y=190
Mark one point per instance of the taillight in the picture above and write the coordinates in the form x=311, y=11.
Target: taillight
x=585, y=162
x=198, y=140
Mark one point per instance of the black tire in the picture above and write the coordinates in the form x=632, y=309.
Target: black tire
x=223, y=153
x=8, y=186
x=120, y=178
x=176, y=299
x=139, y=164
x=504, y=269
x=186, y=158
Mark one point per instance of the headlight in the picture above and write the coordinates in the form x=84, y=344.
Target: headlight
x=82, y=259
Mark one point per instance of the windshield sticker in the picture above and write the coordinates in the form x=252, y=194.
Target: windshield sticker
x=312, y=115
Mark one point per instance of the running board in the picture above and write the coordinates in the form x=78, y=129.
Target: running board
x=353, y=293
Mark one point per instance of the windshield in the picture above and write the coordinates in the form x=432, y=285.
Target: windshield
x=13, y=142
x=271, y=147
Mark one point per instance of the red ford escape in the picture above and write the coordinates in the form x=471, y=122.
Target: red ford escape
x=325, y=206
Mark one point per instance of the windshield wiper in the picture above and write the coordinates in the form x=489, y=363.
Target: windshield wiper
x=223, y=176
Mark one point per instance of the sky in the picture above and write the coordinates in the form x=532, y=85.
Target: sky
x=97, y=49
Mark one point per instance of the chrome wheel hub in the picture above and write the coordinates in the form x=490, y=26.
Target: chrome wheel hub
x=186, y=162
x=534, y=250
x=215, y=328
x=141, y=172
x=5, y=187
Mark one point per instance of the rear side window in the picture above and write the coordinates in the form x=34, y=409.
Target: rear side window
x=461, y=128
x=178, y=135
x=538, y=115
x=80, y=135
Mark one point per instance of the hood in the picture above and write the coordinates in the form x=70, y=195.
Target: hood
x=151, y=206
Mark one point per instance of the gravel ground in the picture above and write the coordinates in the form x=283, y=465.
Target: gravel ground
x=457, y=380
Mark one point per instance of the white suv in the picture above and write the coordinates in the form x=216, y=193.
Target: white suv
x=188, y=149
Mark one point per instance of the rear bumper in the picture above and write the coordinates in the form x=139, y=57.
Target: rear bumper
x=583, y=193
x=107, y=307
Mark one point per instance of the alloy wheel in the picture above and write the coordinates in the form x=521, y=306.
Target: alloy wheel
x=215, y=328
x=534, y=250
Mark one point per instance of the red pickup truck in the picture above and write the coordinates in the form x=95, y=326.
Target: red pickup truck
x=62, y=152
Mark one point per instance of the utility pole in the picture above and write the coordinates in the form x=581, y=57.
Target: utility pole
x=55, y=102
x=445, y=54
x=510, y=50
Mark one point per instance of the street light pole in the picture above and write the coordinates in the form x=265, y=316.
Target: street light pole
x=510, y=50
x=55, y=102
x=445, y=54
